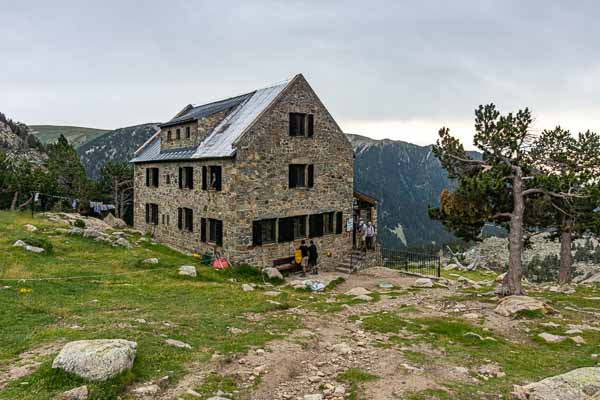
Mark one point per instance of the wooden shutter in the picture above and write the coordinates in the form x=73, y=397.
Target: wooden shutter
x=147, y=212
x=293, y=124
x=256, y=233
x=219, y=231
x=311, y=175
x=155, y=214
x=180, y=178
x=180, y=217
x=292, y=177
x=204, y=178
x=339, y=222
x=310, y=125
x=203, y=230
x=147, y=176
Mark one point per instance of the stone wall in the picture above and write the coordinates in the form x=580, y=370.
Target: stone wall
x=255, y=185
x=199, y=130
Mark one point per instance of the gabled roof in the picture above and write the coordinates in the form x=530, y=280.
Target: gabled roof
x=220, y=141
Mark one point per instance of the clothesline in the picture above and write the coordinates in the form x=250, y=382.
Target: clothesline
x=97, y=206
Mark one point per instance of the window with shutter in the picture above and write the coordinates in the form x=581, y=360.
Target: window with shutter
x=203, y=230
x=155, y=214
x=219, y=240
x=299, y=227
x=155, y=177
x=297, y=175
x=188, y=173
x=215, y=234
x=328, y=223
x=214, y=175
x=339, y=222
x=147, y=213
x=180, y=218
x=310, y=125
x=188, y=219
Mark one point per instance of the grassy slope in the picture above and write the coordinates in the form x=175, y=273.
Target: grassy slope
x=200, y=309
x=76, y=135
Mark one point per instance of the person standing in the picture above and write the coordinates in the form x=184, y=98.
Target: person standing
x=370, y=235
x=304, y=250
x=359, y=234
x=313, y=257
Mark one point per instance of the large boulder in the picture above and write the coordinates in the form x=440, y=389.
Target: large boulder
x=592, y=279
x=114, y=222
x=511, y=305
x=96, y=360
x=357, y=291
x=579, y=384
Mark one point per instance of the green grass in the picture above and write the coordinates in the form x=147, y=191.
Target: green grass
x=531, y=361
x=214, y=383
x=354, y=377
x=76, y=135
x=105, y=303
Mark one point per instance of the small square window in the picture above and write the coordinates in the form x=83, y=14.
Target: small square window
x=301, y=124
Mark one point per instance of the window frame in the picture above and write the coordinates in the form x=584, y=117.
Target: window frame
x=178, y=134
x=301, y=124
x=215, y=178
x=215, y=232
x=169, y=136
x=329, y=226
x=152, y=214
x=188, y=132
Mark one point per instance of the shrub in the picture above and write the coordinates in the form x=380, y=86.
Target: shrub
x=79, y=223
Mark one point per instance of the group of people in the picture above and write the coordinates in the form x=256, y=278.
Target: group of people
x=365, y=234
x=307, y=257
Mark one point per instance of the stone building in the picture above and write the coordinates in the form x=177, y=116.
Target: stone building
x=249, y=176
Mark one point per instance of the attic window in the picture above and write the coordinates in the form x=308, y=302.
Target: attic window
x=187, y=132
x=178, y=133
x=169, y=136
x=301, y=124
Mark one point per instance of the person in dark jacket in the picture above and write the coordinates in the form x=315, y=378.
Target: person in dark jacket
x=304, y=250
x=313, y=257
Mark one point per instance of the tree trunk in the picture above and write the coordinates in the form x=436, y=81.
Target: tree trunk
x=116, y=197
x=566, y=257
x=13, y=204
x=512, y=281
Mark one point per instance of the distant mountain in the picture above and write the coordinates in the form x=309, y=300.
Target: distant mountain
x=117, y=145
x=76, y=135
x=406, y=179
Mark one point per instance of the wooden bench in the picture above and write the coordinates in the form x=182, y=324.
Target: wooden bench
x=287, y=264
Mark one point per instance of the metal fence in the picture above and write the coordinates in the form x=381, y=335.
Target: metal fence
x=426, y=264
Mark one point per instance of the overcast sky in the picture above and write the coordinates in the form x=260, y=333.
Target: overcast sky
x=395, y=69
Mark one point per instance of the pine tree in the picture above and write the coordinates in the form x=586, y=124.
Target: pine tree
x=65, y=168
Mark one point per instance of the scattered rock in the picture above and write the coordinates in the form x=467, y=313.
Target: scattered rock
x=114, y=222
x=33, y=249
x=550, y=325
x=123, y=243
x=30, y=228
x=511, y=305
x=423, y=283
x=193, y=393
x=187, y=270
x=96, y=360
x=234, y=331
x=578, y=340
x=91, y=233
x=178, y=343
x=217, y=398
x=150, y=261
x=550, y=338
x=19, y=243
x=357, y=291
x=246, y=287
x=593, y=279
x=273, y=273
x=79, y=393
x=272, y=293
x=363, y=297
x=316, y=396
x=579, y=384
x=472, y=316
x=342, y=348
x=146, y=391
x=491, y=371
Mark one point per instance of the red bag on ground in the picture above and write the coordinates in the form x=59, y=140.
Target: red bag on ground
x=220, y=263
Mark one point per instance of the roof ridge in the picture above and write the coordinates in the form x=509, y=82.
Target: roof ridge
x=272, y=85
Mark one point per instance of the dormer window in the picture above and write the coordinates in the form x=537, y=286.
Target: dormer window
x=187, y=132
x=301, y=124
x=178, y=133
x=169, y=136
